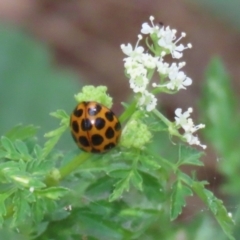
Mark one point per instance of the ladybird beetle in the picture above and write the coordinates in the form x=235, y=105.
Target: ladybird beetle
x=94, y=127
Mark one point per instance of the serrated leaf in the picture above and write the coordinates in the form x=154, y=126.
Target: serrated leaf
x=97, y=226
x=149, y=163
x=21, y=132
x=37, y=151
x=54, y=138
x=39, y=168
x=61, y=114
x=53, y=192
x=179, y=193
x=185, y=178
x=25, y=179
x=21, y=209
x=217, y=208
x=7, y=144
x=38, y=210
x=3, y=197
x=152, y=188
x=137, y=180
x=120, y=186
x=101, y=188
x=21, y=147
x=189, y=156
x=120, y=173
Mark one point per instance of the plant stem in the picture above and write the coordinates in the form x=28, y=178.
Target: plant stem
x=164, y=119
x=74, y=164
x=128, y=112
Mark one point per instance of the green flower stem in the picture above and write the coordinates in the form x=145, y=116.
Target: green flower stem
x=74, y=164
x=128, y=112
x=171, y=127
x=164, y=119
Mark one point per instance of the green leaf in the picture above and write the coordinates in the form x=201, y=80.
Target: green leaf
x=38, y=210
x=149, y=163
x=21, y=147
x=189, y=156
x=25, y=179
x=54, y=138
x=153, y=189
x=220, y=112
x=179, y=193
x=6, y=187
x=98, y=226
x=120, y=186
x=137, y=180
x=120, y=173
x=217, y=208
x=101, y=188
x=62, y=115
x=53, y=192
x=21, y=209
x=7, y=144
x=21, y=132
x=3, y=211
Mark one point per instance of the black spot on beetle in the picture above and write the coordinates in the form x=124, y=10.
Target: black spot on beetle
x=83, y=141
x=86, y=125
x=78, y=112
x=109, y=116
x=109, y=133
x=99, y=123
x=97, y=139
x=117, y=126
x=75, y=126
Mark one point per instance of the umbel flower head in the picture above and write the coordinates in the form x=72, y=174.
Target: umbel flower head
x=140, y=65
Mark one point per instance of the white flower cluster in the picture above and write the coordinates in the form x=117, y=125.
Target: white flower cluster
x=183, y=120
x=139, y=64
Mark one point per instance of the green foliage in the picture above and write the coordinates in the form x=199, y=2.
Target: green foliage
x=220, y=111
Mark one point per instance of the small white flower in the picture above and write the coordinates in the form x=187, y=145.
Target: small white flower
x=147, y=99
x=134, y=68
x=183, y=120
x=133, y=53
x=162, y=67
x=167, y=40
x=149, y=61
x=139, y=83
x=147, y=29
x=193, y=140
x=178, y=81
x=31, y=189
